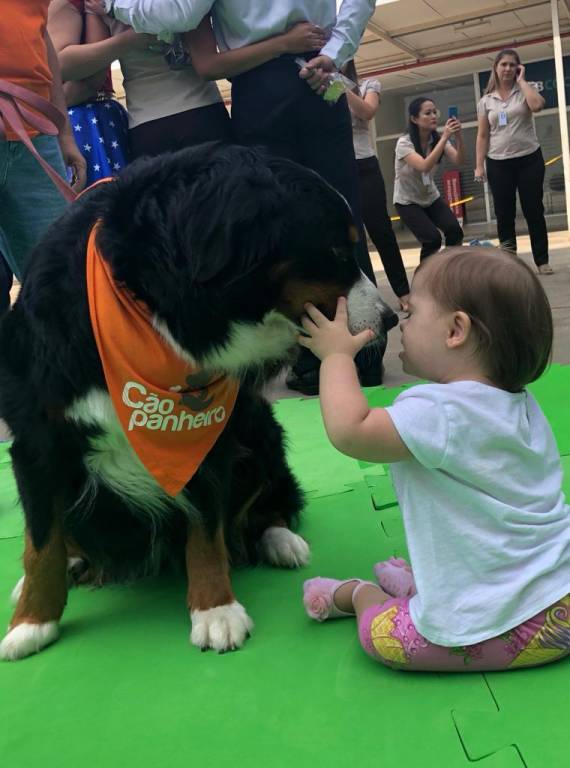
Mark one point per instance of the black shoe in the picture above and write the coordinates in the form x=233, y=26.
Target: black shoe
x=370, y=367
x=371, y=377
x=307, y=383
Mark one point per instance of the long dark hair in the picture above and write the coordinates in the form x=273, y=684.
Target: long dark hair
x=493, y=79
x=413, y=130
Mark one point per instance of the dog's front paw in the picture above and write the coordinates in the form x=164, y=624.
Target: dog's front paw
x=223, y=628
x=26, y=639
x=282, y=547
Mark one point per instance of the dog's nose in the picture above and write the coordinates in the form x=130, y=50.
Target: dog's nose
x=390, y=320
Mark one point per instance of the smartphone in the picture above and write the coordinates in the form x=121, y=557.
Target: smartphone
x=453, y=112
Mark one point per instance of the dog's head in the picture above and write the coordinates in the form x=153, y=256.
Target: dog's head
x=226, y=246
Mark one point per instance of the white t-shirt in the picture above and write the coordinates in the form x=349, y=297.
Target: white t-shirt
x=487, y=525
x=411, y=186
x=153, y=90
x=361, y=128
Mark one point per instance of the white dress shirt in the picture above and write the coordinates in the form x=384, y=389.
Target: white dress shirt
x=363, y=148
x=242, y=22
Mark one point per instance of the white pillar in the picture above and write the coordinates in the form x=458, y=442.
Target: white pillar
x=563, y=115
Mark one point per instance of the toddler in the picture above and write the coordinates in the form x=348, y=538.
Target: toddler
x=475, y=468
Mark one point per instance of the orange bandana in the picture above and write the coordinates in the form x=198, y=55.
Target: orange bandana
x=171, y=413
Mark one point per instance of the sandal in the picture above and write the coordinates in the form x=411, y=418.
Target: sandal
x=545, y=269
x=395, y=577
x=318, y=598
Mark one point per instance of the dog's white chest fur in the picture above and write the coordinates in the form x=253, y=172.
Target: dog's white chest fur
x=112, y=461
x=248, y=344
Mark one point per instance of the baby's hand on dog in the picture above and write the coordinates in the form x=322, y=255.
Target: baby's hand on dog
x=327, y=337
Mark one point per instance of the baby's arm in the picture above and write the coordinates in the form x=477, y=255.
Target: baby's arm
x=353, y=427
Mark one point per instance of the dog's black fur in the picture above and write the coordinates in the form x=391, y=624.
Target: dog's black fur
x=206, y=238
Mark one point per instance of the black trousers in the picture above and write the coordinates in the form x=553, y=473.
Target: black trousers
x=6, y=280
x=378, y=225
x=185, y=129
x=427, y=224
x=273, y=108
x=525, y=174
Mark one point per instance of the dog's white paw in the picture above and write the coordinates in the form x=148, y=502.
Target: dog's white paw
x=26, y=639
x=17, y=591
x=282, y=547
x=223, y=628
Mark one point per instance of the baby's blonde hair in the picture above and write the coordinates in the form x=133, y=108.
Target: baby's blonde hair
x=506, y=303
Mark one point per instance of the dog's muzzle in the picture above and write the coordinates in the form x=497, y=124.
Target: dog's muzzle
x=366, y=309
x=390, y=320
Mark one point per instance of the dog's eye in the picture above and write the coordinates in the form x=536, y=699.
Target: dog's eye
x=342, y=255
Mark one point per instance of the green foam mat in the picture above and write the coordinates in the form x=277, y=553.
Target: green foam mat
x=123, y=687
x=10, y=513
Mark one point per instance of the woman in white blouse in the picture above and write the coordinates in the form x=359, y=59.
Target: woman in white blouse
x=416, y=196
x=363, y=103
x=507, y=139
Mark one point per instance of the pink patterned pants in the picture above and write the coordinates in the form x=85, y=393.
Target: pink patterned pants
x=388, y=634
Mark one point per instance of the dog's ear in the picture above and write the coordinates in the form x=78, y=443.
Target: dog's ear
x=211, y=213
x=235, y=222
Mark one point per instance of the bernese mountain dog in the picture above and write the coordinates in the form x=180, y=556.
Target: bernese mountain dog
x=214, y=252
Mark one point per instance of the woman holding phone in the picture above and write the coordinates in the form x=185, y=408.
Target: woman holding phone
x=507, y=139
x=416, y=197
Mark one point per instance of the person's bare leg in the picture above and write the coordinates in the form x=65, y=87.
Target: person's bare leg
x=367, y=595
x=343, y=596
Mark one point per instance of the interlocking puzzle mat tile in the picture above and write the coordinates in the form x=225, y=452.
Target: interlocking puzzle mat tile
x=321, y=469
x=552, y=391
x=531, y=717
x=10, y=512
x=123, y=688
x=383, y=494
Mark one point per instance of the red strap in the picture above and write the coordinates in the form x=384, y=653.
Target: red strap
x=48, y=120
x=95, y=184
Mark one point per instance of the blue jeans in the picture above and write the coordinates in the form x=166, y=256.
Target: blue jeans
x=29, y=201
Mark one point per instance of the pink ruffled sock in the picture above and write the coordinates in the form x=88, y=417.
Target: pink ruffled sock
x=318, y=598
x=395, y=577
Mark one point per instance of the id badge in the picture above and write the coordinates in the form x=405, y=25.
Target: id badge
x=502, y=118
x=426, y=178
